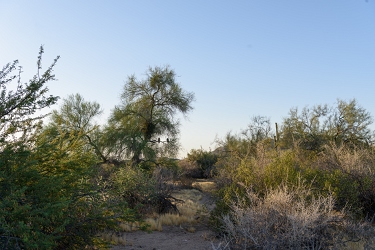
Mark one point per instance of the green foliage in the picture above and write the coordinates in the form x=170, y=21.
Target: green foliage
x=349, y=175
x=283, y=169
x=170, y=165
x=347, y=123
x=259, y=175
x=23, y=204
x=258, y=130
x=204, y=161
x=350, y=124
x=133, y=184
x=227, y=195
x=52, y=185
x=330, y=149
x=77, y=116
x=48, y=196
x=148, y=112
x=29, y=202
x=146, y=193
x=17, y=107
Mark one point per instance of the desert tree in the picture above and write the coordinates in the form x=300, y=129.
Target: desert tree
x=258, y=129
x=305, y=127
x=350, y=124
x=148, y=111
x=311, y=128
x=77, y=116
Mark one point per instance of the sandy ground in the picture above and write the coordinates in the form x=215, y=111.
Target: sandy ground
x=171, y=238
x=176, y=237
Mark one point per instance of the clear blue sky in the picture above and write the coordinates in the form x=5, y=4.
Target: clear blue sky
x=240, y=58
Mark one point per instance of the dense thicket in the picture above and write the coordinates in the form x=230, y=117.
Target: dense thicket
x=329, y=151
x=48, y=196
x=64, y=182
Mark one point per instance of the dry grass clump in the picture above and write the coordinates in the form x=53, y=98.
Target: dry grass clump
x=113, y=238
x=287, y=219
x=188, y=194
x=130, y=226
x=205, y=186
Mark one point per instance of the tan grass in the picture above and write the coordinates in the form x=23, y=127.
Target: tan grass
x=107, y=236
x=122, y=240
x=113, y=238
x=191, y=229
x=188, y=194
x=130, y=226
x=155, y=224
x=354, y=245
x=205, y=186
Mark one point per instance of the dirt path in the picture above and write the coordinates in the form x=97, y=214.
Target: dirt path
x=186, y=236
x=171, y=238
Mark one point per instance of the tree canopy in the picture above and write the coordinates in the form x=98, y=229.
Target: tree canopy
x=346, y=123
x=148, y=112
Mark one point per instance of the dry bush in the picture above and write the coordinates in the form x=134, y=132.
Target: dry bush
x=189, y=169
x=358, y=162
x=287, y=219
x=163, y=201
x=113, y=238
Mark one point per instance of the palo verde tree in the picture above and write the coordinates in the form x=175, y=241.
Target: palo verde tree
x=148, y=112
x=76, y=116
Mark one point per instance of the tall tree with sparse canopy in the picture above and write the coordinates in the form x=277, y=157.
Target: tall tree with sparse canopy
x=77, y=116
x=148, y=112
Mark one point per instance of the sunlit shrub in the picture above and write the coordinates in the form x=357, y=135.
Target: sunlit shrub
x=204, y=162
x=350, y=175
x=287, y=218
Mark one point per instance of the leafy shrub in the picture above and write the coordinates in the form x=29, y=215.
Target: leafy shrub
x=48, y=199
x=349, y=174
x=204, y=162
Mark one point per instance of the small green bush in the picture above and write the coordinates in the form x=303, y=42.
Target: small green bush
x=349, y=175
x=204, y=162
